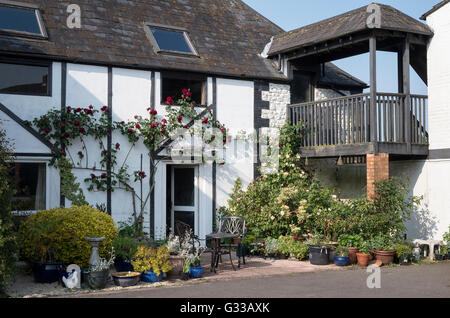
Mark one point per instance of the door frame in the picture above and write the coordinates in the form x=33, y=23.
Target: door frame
x=195, y=208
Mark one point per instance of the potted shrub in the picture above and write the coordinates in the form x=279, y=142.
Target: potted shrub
x=271, y=247
x=152, y=263
x=353, y=243
x=125, y=248
x=341, y=258
x=363, y=256
x=383, y=249
x=404, y=253
x=292, y=248
x=192, y=262
x=319, y=254
x=99, y=274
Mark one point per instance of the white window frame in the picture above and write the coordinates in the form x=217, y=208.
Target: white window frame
x=46, y=161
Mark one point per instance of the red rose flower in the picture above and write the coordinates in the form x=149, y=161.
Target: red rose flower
x=77, y=110
x=82, y=130
x=77, y=124
x=103, y=176
x=169, y=101
x=163, y=131
x=164, y=121
x=180, y=118
x=91, y=107
x=130, y=131
x=93, y=176
x=138, y=126
x=104, y=108
x=153, y=112
x=117, y=146
x=69, y=109
x=66, y=135
x=188, y=94
x=122, y=122
x=184, y=91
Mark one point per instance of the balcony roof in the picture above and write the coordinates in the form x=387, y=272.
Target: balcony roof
x=346, y=24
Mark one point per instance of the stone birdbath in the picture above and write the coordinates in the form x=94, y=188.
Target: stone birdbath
x=95, y=243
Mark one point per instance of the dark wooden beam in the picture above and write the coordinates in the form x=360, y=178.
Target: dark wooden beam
x=407, y=90
x=373, y=87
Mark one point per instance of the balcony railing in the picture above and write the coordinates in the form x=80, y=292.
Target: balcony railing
x=348, y=120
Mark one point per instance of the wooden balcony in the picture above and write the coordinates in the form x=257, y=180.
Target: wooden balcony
x=350, y=126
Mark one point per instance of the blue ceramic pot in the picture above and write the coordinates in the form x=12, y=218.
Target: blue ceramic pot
x=150, y=277
x=341, y=260
x=196, y=272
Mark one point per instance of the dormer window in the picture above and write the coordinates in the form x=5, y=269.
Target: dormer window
x=18, y=19
x=170, y=40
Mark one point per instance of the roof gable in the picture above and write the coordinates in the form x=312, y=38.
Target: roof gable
x=434, y=9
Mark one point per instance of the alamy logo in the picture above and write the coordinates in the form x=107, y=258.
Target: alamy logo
x=74, y=19
x=374, y=279
x=374, y=19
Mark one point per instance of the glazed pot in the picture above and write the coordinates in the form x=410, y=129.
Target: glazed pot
x=98, y=280
x=196, y=271
x=319, y=255
x=352, y=255
x=386, y=257
x=151, y=277
x=363, y=259
x=177, y=266
x=341, y=260
x=126, y=279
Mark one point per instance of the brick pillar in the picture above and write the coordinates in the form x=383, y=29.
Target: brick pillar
x=377, y=169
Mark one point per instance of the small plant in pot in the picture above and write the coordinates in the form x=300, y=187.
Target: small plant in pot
x=404, y=253
x=192, y=262
x=318, y=252
x=363, y=256
x=353, y=243
x=125, y=248
x=152, y=263
x=341, y=258
x=384, y=250
x=271, y=247
x=99, y=274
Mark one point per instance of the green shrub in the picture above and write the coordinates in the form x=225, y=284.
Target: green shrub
x=403, y=249
x=8, y=245
x=447, y=235
x=59, y=235
x=348, y=240
x=125, y=247
x=271, y=246
x=290, y=247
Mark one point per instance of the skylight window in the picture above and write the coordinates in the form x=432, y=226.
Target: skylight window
x=169, y=40
x=21, y=20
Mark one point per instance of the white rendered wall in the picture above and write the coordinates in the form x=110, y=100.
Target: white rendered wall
x=131, y=96
x=28, y=108
x=87, y=85
x=439, y=79
x=235, y=109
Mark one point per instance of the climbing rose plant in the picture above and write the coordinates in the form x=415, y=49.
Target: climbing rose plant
x=64, y=128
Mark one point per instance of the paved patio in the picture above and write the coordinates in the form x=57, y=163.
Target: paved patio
x=254, y=267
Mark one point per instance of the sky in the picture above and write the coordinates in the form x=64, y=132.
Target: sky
x=292, y=14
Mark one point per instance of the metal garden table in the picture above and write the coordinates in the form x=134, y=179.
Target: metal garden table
x=217, y=248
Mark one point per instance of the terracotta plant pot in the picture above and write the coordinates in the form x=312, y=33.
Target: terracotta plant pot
x=386, y=257
x=177, y=264
x=352, y=254
x=363, y=259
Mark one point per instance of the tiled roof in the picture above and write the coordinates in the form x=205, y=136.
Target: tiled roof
x=228, y=35
x=347, y=23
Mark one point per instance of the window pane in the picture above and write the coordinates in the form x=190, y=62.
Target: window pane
x=171, y=41
x=19, y=19
x=24, y=79
x=172, y=87
x=184, y=188
x=185, y=217
x=29, y=181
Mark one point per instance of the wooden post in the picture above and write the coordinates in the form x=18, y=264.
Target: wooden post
x=407, y=92
x=373, y=88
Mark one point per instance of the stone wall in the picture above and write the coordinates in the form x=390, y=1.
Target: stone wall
x=278, y=96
